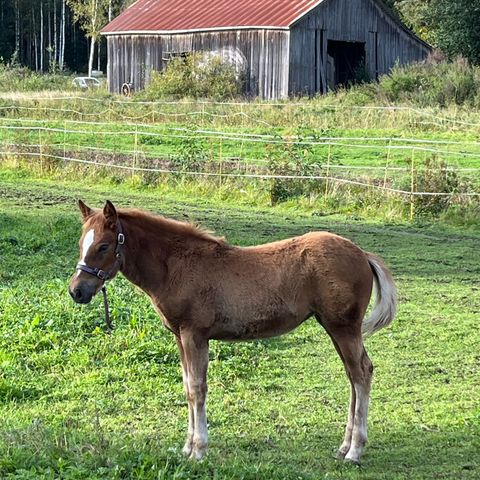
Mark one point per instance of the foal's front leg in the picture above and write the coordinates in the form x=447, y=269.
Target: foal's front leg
x=187, y=449
x=195, y=348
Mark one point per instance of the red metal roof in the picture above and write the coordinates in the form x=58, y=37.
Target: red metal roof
x=183, y=15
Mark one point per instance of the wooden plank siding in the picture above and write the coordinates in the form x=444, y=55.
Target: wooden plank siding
x=133, y=57
x=279, y=62
x=363, y=21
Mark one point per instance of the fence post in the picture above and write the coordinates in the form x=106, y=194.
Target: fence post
x=64, y=143
x=412, y=187
x=135, y=151
x=40, y=149
x=387, y=164
x=328, y=171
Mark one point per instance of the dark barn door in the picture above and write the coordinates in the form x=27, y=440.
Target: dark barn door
x=346, y=63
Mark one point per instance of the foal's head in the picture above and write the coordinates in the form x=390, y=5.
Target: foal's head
x=100, y=254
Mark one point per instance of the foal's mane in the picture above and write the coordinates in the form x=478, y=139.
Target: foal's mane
x=169, y=226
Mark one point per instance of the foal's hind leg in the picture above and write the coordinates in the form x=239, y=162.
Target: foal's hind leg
x=349, y=344
x=347, y=439
x=360, y=370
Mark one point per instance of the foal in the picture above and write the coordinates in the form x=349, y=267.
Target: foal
x=205, y=289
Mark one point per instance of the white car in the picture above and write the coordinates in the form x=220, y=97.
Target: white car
x=86, y=82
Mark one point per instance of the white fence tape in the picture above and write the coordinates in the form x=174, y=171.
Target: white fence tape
x=249, y=105
x=246, y=175
x=253, y=138
x=247, y=162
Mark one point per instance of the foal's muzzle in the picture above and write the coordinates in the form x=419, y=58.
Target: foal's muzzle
x=81, y=294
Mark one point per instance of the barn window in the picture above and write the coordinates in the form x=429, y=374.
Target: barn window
x=169, y=56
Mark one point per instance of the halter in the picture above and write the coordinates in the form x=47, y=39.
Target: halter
x=105, y=276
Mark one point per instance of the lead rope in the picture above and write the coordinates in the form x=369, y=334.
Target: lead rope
x=107, y=310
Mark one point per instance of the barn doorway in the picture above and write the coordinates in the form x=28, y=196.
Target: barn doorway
x=346, y=63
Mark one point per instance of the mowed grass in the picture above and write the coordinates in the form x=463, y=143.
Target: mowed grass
x=367, y=147
x=76, y=402
x=338, y=134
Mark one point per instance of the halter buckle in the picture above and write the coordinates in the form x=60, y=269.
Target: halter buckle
x=121, y=239
x=102, y=275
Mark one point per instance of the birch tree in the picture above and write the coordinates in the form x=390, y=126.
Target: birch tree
x=92, y=16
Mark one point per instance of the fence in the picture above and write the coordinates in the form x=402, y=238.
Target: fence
x=388, y=165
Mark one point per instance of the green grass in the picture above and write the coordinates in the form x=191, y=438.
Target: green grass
x=343, y=145
x=78, y=403
x=370, y=146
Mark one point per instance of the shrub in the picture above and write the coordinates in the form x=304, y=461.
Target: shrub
x=197, y=76
x=190, y=154
x=435, y=176
x=432, y=83
x=16, y=78
x=291, y=159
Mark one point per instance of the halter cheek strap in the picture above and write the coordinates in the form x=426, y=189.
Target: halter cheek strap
x=105, y=276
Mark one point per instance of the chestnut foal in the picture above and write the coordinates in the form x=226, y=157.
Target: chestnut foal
x=204, y=289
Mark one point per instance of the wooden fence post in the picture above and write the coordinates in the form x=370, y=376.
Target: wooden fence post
x=328, y=171
x=412, y=187
x=387, y=164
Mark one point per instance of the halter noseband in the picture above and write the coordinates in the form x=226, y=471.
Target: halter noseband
x=105, y=276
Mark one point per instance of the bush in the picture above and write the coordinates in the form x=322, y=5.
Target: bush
x=22, y=79
x=433, y=83
x=296, y=160
x=197, y=76
x=435, y=176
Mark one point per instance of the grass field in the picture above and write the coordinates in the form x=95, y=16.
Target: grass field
x=78, y=403
x=365, y=160
x=349, y=134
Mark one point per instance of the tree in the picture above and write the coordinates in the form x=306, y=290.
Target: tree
x=457, y=27
x=92, y=16
x=416, y=15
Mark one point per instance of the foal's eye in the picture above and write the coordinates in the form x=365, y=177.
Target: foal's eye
x=103, y=248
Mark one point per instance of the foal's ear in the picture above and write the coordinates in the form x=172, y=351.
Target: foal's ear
x=84, y=210
x=110, y=213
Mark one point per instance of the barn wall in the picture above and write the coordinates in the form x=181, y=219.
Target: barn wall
x=386, y=42
x=133, y=57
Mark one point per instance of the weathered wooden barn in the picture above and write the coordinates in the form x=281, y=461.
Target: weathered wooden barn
x=283, y=47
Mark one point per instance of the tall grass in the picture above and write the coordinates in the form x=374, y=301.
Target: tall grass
x=22, y=79
x=337, y=115
x=436, y=83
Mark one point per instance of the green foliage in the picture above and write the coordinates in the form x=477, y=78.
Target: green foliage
x=433, y=83
x=196, y=76
x=435, y=176
x=291, y=159
x=416, y=14
x=190, y=154
x=457, y=27
x=22, y=79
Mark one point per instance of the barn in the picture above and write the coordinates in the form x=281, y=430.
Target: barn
x=282, y=47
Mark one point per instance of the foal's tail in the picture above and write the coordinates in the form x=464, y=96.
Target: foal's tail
x=386, y=302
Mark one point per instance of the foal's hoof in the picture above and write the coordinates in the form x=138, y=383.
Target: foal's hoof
x=342, y=451
x=352, y=461
x=187, y=449
x=198, y=453
x=340, y=454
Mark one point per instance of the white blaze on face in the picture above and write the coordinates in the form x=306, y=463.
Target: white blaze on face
x=87, y=243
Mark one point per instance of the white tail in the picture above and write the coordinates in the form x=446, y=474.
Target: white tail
x=386, y=302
